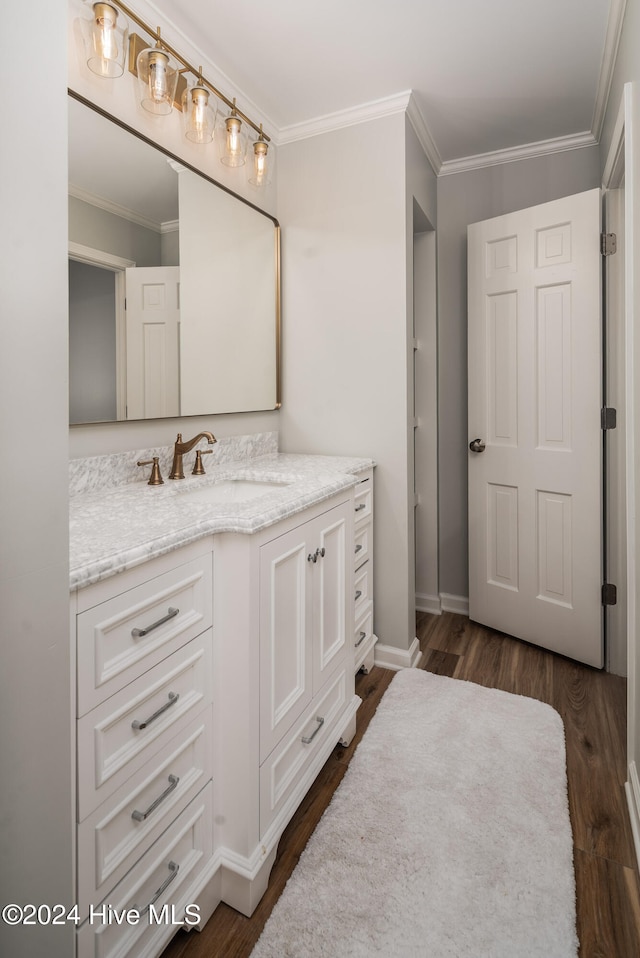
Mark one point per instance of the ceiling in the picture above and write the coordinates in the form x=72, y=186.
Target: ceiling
x=485, y=76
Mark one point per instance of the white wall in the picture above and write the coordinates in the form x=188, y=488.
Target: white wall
x=422, y=437
x=342, y=206
x=465, y=198
x=35, y=690
x=426, y=407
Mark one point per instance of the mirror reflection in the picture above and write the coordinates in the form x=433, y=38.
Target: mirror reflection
x=173, y=284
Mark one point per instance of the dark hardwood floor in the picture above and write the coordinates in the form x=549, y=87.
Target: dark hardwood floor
x=593, y=707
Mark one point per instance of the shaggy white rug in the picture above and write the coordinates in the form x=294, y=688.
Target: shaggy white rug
x=448, y=836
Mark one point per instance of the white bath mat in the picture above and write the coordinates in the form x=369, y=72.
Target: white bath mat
x=449, y=836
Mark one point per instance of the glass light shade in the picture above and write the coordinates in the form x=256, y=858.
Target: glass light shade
x=198, y=116
x=232, y=141
x=157, y=78
x=105, y=41
x=260, y=173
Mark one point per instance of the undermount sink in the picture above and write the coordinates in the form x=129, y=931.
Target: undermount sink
x=232, y=490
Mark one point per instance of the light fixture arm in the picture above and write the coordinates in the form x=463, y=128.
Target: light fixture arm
x=187, y=67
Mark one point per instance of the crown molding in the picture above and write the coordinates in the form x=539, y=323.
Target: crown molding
x=421, y=130
x=617, y=9
x=559, y=144
x=405, y=102
x=387, y=106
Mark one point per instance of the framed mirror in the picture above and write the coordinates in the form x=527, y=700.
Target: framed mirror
x=174, y=283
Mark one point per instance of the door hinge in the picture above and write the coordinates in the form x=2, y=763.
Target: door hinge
x=609, y=593
x=608, y=243
x=608, y=417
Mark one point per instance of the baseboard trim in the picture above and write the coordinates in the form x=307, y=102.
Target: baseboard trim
x=428, y=603
x=632, y=788
x=454, y=603
x=389, y=657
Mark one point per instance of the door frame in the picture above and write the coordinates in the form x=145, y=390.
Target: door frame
x=620, y=161
x=615, y=361
x=117, y=265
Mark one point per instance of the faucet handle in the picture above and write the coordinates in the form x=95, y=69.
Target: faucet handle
x=155, y=478
x=198, y=469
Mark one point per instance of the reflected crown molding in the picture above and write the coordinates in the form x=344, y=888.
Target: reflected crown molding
x=110, y=207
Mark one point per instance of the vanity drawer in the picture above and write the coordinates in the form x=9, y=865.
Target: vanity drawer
x=120, y=831
x=175, y=864
x=121, y=638
x=363, y=501
x=121, y=734
x=362, y=544
x=362, y=588
x=282, y=770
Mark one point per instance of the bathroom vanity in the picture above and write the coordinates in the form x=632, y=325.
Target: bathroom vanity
x=217, y=626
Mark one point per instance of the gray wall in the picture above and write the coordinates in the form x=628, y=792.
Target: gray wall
x=36, y=844
x=465, y=198
x=92, y=343
x=91, y=226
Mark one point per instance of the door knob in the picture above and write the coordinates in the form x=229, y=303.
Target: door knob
x=477, y=445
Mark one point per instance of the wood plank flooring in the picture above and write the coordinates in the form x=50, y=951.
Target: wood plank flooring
x=593, y=707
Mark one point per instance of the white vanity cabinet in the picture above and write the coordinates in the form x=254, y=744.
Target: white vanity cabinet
x=144, y=829
x=213, y=683
x=364, y=637
x=286, y=674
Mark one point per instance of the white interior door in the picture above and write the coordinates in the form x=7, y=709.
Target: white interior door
x=535, y=489
x=153, y=341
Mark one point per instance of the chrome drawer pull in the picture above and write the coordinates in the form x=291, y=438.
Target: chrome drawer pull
x=358, y=548
x=358, y=594
x=307, y=739
x=173, y=698
x=363, y=636
x=138, y=633
x=362, y=506
x=174, y=869
x=142, y=816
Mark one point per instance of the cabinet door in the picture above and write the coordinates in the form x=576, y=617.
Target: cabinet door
x=332, y=592
x=285, y=634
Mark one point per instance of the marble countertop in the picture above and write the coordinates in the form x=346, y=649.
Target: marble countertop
x=120, y=527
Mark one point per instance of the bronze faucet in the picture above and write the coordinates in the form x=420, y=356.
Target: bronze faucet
x=181, y=447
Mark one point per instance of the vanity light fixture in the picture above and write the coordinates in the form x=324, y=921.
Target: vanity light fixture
x=198, y=116
x=160, y=72
x=158, y=78
x=105, y=41
x=232, y=142
x=260, y=173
